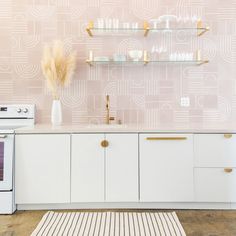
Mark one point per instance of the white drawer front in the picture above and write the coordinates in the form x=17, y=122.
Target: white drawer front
x=166, y=167
x=215, y=185
x=215, y=150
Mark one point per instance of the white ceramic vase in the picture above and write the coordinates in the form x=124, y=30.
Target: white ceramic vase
x=56, y=113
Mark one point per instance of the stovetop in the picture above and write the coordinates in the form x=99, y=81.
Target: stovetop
x=16, y=116
x=7, y=130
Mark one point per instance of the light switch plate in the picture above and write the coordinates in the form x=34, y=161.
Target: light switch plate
x=184, y=101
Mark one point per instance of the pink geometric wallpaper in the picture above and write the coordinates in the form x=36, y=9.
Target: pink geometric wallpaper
x=146, y=95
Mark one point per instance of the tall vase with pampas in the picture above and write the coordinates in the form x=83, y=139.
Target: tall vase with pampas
x=57, y=68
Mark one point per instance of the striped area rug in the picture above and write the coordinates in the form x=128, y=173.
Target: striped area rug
x=109, y=224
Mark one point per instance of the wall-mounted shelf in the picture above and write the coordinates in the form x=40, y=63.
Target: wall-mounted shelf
x=145, y=30
x=145, y=62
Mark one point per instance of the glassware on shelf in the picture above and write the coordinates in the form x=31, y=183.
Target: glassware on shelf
x=155, y=23
x=108, y=23
x=135, y=55
x=165, y=23
x=115, y=24
x=101, y=59
x=126, y=25
x=100, y=23
x=168, y=19
x=181, y=56
x=158, y=53
x=194, y=20
x=119, y=57
x=135, y=26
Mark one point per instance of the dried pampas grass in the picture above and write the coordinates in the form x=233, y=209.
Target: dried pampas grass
x=57, y=67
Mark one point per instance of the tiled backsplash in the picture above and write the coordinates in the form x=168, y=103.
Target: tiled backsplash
x=148, y=95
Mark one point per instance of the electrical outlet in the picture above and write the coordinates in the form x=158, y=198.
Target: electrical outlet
x=185, y=102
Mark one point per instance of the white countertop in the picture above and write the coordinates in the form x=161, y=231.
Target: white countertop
x=68, y=128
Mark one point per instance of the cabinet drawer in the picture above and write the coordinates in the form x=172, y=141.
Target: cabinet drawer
x=215, y=150
x=215, y=184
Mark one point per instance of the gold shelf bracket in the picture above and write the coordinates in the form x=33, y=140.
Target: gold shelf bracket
x=145, y=57
x=202, y=62
x=200, y=29
x=146, y=28
x=89, y=28
x=89, y=62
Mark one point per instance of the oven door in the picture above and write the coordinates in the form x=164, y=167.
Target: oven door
x=6, y=161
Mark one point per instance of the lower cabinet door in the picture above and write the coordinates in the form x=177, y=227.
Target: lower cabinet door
x=166, y=167
x=122, y=168
x=42, y=168
x=215, y=184
x=87, y=168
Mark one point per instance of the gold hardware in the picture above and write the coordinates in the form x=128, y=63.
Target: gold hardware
x=202, y=62
x=198, y=57
x=108, y=117
x=228, y=170
x=145, y=57
x=146, y=28
x=204, y=30
x=104, y=143
x=166, y=138
x=89, y=62
x=89, y=28
x=200, y=29
x=228, y=135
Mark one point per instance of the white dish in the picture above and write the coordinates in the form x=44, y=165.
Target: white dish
x=135, y=55
x=117, y=57
x=102, y=58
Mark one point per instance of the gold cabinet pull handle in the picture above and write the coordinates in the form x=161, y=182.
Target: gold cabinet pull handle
x=228, y=170
x=104, y=143
x=166, y=138
x=228, y=135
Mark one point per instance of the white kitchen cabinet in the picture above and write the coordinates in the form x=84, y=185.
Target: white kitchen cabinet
x=215, y=184
x=87, y=168
x=100, y=173
x=215, y=150
x=122, y=168
x=166, y=167
x=42, y=168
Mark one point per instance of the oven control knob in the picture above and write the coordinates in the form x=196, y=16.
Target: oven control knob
x=25, y=110
x=18, y=110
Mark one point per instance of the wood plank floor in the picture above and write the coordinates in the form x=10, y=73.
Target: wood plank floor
x=195, y=222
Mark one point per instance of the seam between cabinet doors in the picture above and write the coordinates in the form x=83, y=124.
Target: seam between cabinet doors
x=139, y=167
x=70, y=164
x=194, y=181
x=105, y=172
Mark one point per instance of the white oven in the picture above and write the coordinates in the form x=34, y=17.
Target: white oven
x=11, y=117
x=6, y=161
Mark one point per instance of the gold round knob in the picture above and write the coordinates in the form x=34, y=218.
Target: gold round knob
x=228, y=170
x=104, y=143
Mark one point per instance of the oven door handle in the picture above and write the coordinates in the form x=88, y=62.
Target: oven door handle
x=3, y=136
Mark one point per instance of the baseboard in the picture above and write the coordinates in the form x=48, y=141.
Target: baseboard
x=215, y=206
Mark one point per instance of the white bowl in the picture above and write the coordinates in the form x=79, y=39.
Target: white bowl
x=135, y=55
x=118, y=57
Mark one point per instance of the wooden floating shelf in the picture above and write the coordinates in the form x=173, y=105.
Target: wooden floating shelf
x=146, y=29
x=145, y=62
